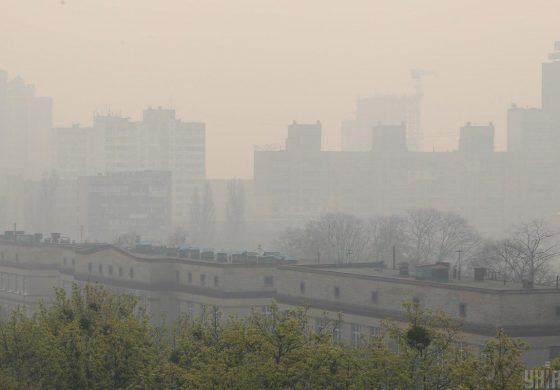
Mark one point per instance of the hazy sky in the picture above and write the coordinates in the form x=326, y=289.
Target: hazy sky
x=249, y=67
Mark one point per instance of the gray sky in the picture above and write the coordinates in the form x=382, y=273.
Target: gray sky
x=249, y=67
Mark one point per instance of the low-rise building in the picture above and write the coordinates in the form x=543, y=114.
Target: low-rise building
x=174, y=282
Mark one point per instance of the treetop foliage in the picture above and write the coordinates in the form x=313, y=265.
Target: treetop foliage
x=92, y=339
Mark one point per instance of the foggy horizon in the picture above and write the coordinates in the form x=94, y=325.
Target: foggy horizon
x=258, y=194
x=249, y=68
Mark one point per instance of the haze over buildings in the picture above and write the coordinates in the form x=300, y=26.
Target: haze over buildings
x=247, y=68
x=389, y=175
x=412, y=155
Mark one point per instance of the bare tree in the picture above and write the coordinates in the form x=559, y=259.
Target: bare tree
x=421, y=226
x=432, y=235
x=208, y=216
x=196, y=214
x=333, y=237
x=525, y=255
x=178, y=237
x=291, y=242
x=127, y=240
x=203, y=219
x=235, y=208
x=386, y=234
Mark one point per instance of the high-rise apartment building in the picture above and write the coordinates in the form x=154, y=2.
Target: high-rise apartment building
x=25, y=125
x=551, y=82
x=75, y=151
x=159, y=142
x=179, y=147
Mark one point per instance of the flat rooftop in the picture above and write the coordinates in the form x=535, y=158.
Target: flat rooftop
x=365, y=270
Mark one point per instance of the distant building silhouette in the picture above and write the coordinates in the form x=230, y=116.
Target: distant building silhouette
x=117, y=144
x=386, y=109
x=25, y=125
x=125, y=202
x=388, y=138
x=491, y=189
x=476, y=138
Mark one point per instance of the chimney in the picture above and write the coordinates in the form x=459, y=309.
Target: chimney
x=479, y=274
x=528, y=284
x=403, y=269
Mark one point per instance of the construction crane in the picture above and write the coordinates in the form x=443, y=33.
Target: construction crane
x=415, y=126
x=417, y=75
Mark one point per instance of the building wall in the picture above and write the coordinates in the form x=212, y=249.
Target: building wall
x=527, y=314
x=124, y=203
x=29, y=272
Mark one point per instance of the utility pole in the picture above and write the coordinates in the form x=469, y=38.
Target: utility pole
x=394, y=256
x=459, y=264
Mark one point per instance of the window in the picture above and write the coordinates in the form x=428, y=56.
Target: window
x=356, y=333
x=554, y=352
x=64, y=261
x=374, y=332
x=319, y=325
x=131, y=273
x=337, y=331
x=266, y=312
x=203, y=309
x=110, y=270
x=120, y=272
x=459, y=346
x=100, y=269
x=393, y=346
x=177, y=276
x=302, y=288
x=189, y=309
x=374, y=297
x=202, y=279
x=269, y=281
x=336, y=292
x=558, y=312
x=89, y=267
x=463, y=309
x=216, y=281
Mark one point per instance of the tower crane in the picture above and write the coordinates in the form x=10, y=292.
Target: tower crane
x=415, y=125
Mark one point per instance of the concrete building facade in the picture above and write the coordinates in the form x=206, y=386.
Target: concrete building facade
x=358, y=296
x=125, y=202
x=115, y=144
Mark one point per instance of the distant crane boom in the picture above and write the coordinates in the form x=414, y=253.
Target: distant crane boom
x=417, y=75
x=415, y=122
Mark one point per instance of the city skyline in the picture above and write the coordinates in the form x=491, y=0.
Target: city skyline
x=314, y=74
